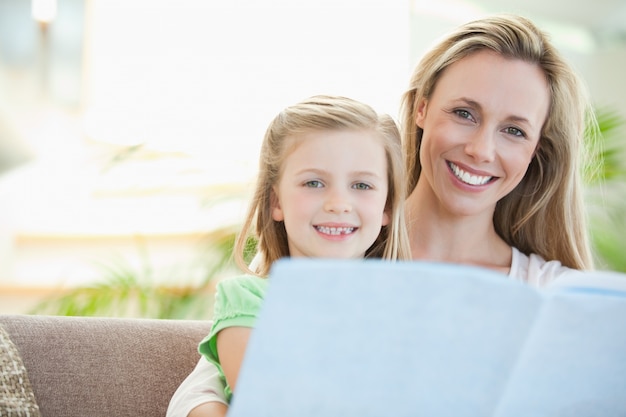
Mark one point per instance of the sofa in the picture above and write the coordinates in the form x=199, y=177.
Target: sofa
x=99, y=367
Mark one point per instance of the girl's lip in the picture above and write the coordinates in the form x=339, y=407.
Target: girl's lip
x=335, y=229
x=334, y=224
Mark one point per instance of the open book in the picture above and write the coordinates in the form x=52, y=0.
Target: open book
x=372, y=338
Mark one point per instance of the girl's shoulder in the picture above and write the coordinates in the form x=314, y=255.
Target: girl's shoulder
x=246, y=280
x=535, y=270
x=239, y=296
x=242, y=284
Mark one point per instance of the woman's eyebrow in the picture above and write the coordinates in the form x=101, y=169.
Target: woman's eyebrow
x=512, y=117
x=469, y=102
x=519, y=119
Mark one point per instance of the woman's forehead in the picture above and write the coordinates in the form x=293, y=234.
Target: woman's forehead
x=497, y=84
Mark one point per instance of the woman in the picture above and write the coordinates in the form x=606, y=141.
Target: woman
x=493, y=125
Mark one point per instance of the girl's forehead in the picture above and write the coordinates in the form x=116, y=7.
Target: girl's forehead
x=294, y=140
x=339, y=145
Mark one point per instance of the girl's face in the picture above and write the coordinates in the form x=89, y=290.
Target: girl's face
x=332, y=193
x=481, y=128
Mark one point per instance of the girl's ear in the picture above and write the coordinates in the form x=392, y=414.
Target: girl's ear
x=277, y=212
x=386, y=217
x=420, y=112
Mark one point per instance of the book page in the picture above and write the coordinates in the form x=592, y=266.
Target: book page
x=574, y=361
x=370, y=338
x=605, y=282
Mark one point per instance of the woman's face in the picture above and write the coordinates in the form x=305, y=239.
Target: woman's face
x=481, y=128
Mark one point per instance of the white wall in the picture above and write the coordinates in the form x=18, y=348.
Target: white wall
x=197, y=82
x=200, y=80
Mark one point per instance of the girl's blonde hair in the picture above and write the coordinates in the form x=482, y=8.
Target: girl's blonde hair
x=544, y=213
x=320, y=113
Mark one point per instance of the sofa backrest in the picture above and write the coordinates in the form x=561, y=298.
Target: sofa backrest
x=102, y=367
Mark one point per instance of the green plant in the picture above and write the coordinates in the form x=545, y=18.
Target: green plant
x=129, y=291
x=605, y=187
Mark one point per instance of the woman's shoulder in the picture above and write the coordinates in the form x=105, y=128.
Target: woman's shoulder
x=535, y=270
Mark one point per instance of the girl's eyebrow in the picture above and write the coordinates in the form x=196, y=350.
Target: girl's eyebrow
x=306, y=170
x=365, y=174
x=324, y=172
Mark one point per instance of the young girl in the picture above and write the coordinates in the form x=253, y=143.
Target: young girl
x=330, y=185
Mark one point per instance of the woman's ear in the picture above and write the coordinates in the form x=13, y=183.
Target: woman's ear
x=420, y=112
x=277, y=212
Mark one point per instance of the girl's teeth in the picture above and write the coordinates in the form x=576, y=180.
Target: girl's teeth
x=335, y=230
x=467, y=178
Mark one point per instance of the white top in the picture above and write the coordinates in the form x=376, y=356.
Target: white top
x=204, y=385
x=535, y=270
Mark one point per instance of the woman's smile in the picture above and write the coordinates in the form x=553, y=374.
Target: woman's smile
x=481, y=128
x=469, y=178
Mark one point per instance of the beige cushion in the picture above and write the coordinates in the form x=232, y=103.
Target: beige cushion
x=102, y=367
x=16, y=394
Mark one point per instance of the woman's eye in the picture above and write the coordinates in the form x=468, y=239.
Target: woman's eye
x=515, y=132
x=464, y=114
x=313, y=184
x=361, y=186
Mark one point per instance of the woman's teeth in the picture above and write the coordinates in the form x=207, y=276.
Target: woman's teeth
x=468, y=178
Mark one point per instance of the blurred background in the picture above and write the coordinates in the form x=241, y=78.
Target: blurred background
x=129, y=130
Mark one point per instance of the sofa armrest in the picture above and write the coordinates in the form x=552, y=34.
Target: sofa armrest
x=87, y=366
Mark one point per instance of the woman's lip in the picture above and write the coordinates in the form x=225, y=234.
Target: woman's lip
x=470, y=170
x=469, y=176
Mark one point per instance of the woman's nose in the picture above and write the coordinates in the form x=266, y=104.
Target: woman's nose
x=481, y=146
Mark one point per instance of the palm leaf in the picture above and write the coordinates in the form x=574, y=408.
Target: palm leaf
x=128, y=291
x=605, y=187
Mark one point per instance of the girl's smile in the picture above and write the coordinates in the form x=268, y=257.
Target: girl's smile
x=336, y=231
x=332, y=193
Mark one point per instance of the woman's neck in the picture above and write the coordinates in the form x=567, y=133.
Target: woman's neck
x=437, y=235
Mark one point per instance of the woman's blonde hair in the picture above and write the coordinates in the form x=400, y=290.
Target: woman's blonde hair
x=321, y=113
x=544, y=214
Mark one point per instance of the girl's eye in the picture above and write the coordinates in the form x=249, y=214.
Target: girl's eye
x=361, y=186
x=313, y=184
x=464, y=114
x=515, y=132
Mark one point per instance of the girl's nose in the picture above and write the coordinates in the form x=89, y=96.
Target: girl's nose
x=481, y=146
x=337, y=202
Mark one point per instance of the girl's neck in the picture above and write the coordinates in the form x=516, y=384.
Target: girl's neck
x=440, y=236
